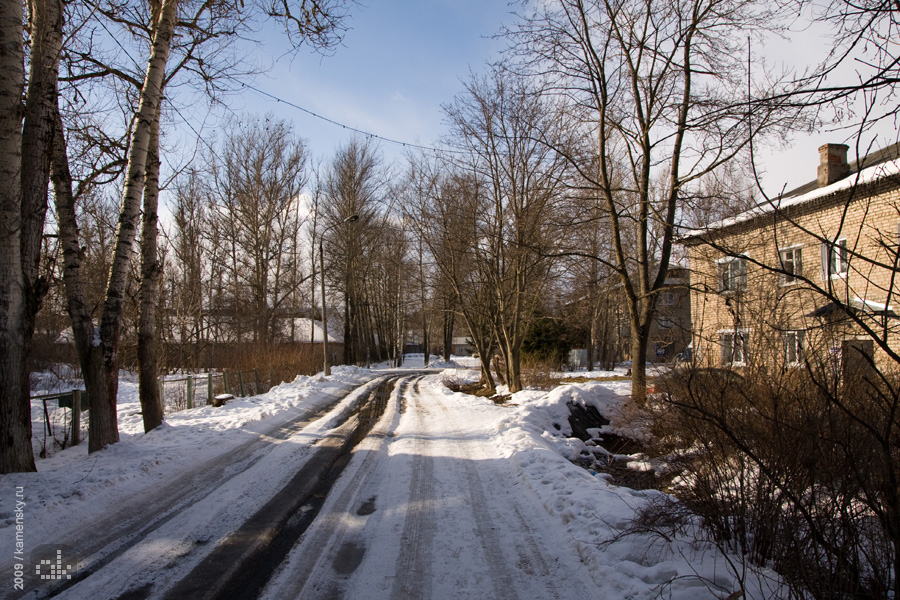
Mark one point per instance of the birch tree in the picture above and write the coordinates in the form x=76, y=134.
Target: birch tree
x=98, y=346
x=27, y=132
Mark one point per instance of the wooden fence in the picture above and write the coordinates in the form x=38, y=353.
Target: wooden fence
x=68, y=427
x=188, y=391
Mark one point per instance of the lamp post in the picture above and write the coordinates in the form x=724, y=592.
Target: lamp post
x=350, y=219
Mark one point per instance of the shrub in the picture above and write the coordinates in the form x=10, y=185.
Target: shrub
x=794, y=470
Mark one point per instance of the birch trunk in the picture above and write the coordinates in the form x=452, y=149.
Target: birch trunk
x=106, y=431
x=15, y=414
x=152, y=409
x=98, y=348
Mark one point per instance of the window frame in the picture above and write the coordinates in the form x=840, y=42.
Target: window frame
x=828, y=259
x=796, y=252
x=797, y=347
x=744, y=336
x=726, y=277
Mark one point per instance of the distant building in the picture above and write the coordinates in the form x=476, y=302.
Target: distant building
x=462, y=347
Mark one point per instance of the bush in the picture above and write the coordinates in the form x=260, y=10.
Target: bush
x=539, y=374
x=793, y=470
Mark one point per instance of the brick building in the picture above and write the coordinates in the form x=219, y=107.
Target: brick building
x=670, y=331
x=809, y=276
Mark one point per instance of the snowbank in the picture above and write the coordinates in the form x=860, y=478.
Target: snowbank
x=598, y=515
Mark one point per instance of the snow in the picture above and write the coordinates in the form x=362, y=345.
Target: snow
x=867, y=175
x=598, y=514
x=301, y=331
x=513, y=459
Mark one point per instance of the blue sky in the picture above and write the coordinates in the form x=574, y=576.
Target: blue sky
x=401, y=59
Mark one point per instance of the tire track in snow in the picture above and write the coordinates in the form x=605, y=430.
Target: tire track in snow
x=413, y=580
x=530, y=553
x=333, y=547
x=100, y=542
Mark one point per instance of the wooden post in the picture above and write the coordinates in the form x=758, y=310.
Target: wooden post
x=190, y=391
x=241, y=379
x=209, y=389
x=76, y=417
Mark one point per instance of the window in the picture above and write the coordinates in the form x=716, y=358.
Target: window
x=666, y=299
x=791, y=264
x=834, y=259
x=732, y=274
x=793, y=347
x=665, y=322
x=735, y=345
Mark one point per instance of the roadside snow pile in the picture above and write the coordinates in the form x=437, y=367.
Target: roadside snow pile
x=72, y=483
x=599, y=516
x=459, y=375
x=444, y=364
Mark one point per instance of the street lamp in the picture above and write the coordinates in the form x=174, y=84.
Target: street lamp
x=349, y=219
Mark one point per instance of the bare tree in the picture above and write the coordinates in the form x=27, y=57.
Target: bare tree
x=445, y=207
x=662, y=89
x=15, y=451
x=499, y=122
x=257, y=184
x=189, y=253
x=28, y=135
x=355, y=184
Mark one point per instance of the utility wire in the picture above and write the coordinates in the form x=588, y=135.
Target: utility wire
x=295, y=106
x=349, y=127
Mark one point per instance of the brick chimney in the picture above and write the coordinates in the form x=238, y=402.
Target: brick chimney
x=832, y=163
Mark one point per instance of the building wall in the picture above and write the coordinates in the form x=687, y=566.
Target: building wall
x=670, y=330
x=769, y=308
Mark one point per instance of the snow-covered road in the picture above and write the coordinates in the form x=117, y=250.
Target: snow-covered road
x=429, y=509
x=449, y=496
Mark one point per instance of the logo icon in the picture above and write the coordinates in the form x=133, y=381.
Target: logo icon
x=48, y=569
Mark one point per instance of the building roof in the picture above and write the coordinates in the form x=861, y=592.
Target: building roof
x=876, y=166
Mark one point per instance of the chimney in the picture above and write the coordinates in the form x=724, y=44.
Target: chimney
x=832, y=163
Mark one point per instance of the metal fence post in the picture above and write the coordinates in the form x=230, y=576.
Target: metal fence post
x=76, y=417
x=241, y=379
x=209, y=388
x=225, y=376
x=46, y=418
x=190, y=391
x=162, y=391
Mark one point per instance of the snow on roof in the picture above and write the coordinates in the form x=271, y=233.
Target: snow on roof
x=871, y=306
x=856, y=304
x=794, y=198
x=301, y=331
